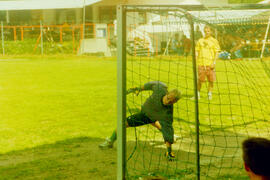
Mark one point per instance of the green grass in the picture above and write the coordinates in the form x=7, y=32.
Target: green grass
x=29, y=46
x=55, y=110
x=46, y=100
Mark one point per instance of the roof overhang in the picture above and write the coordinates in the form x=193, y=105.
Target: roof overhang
x=45, y=4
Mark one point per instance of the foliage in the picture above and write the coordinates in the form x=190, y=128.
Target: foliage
x=31, y=47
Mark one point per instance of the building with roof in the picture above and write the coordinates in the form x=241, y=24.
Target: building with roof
x=23, y=12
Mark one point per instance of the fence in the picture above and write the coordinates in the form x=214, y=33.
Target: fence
x=49, y=39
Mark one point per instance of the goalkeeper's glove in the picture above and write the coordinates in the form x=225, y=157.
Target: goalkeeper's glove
x=170, y=156
x=135, y=90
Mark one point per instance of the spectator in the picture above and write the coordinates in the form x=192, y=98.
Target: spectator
x=234, y=45
x=256, y=156
x=237, y=45
x=198, y=34
x=186, y=45
x=176, y=45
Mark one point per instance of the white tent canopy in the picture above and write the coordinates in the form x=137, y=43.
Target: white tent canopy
x=190, y=2
x=210, y=15
x=44, y=4
x=264, y=2
x=226, y=14
x=177, y=23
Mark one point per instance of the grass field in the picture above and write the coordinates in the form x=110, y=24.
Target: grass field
x=54, y=113
x=56, y=110
x=240, y=108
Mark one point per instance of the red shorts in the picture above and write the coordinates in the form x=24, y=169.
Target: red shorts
x=208, y=72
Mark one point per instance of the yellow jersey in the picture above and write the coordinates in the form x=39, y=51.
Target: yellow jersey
x=206, y=49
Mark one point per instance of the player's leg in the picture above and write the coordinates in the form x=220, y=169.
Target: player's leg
x=108, y=143
x=210, y=89
x=211, y=77
x=169, y=154
x=201, y=76
x=157, y=125
x=134, y=120
x=201, y=79
x=138, y=119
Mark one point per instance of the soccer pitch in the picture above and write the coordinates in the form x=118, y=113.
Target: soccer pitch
x=51, y=99
x=54, y=113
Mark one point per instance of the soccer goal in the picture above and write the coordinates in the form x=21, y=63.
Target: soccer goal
x=225, y=97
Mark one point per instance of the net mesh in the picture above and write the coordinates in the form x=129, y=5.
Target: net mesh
x=159, y=49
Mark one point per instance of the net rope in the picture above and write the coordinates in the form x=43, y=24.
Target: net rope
x=240, y=104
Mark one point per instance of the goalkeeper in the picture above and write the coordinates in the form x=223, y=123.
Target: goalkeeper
x=157, y=110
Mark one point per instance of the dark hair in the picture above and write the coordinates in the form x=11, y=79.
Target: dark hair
x=256, y=155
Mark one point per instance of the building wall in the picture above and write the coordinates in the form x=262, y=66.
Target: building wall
x=3, y=16
x=95, y=11
x=104, y=9
x=62, y=16
x=78, y=16
x=49, y=16
x=18, y=17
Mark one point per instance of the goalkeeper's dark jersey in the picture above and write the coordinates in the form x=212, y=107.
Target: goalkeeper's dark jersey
x=157, y=111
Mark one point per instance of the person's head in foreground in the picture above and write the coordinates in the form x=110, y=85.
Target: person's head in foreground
x=171, y=97
x=207, y=31
x=256, y=156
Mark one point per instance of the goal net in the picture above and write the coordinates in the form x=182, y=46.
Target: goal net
x=159, y=47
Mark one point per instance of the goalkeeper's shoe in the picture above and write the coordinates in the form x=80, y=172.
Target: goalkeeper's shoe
x=170, y=156
x=107, y=144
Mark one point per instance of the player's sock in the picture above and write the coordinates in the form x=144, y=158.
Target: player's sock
x=169, y=149
x=210, y=95
x=113, y=136
x=169, y=154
